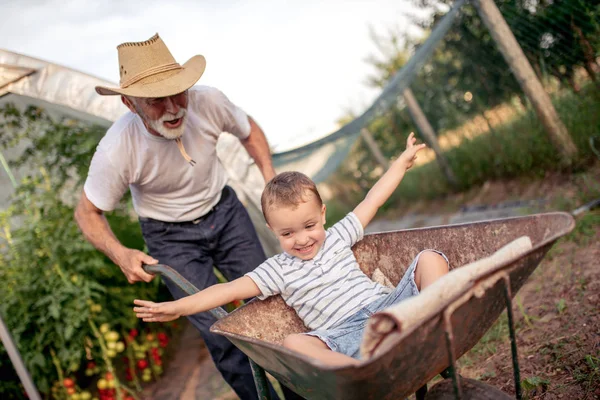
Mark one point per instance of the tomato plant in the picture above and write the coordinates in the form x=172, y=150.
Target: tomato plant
x=57, y=293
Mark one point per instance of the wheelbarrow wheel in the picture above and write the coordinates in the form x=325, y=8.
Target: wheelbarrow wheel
x=471, y=390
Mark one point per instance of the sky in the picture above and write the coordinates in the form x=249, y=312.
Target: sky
x=295, y=66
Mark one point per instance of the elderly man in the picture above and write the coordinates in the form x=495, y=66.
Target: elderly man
x=164, y=152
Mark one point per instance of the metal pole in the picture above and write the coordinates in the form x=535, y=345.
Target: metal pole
x=8, y=171
x=17, y=362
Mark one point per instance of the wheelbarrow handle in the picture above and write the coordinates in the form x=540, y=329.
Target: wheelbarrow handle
x=181, y=282
x=258, y=373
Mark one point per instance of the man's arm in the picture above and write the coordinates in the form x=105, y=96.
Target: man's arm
x=207, y=299
x=257, y=146
x=95, y=228
x=385, y=186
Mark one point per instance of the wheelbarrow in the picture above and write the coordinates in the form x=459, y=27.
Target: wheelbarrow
x=411, y=357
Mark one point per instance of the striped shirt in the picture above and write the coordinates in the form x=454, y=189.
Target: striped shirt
x=327, y=289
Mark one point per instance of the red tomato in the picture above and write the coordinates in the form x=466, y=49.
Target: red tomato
x=68, y=383
x=142, y=364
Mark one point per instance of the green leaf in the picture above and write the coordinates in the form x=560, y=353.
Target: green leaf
x=561, y=306
x=68, y=332
x=54, y=310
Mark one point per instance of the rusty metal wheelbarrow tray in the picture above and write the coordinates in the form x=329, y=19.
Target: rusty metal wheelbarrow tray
x=420, y=353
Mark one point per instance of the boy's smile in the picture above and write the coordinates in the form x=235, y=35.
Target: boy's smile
x=299, y=229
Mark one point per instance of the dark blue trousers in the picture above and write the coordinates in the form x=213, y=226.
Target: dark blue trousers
x=224, y=238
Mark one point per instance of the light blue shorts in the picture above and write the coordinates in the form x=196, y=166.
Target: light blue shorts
x=345, y=337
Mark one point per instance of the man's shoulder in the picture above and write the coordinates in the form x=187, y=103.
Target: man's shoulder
x=205, y=93
x=119, y=133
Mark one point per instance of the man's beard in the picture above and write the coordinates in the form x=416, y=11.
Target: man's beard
x=165, y=132
x=159, y=127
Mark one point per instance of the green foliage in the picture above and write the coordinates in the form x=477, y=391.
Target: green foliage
x=561, y=306
x=519, y=147
x=585, y=228
x=534, y=385
x=52, y=281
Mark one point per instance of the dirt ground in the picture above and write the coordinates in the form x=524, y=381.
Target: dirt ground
x=558, y=327
x=557, y=312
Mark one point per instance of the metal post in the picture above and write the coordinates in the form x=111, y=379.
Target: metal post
x=17, y=362
x=531, y=85
x=8, y=171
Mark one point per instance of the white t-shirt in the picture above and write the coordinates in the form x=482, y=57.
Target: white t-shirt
x=164, y=186
x=327, y=289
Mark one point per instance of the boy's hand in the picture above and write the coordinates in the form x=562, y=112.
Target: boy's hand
x=156, y=312
x=409, y=155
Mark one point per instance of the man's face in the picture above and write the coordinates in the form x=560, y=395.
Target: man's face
x=299, y=229
x=162, y=116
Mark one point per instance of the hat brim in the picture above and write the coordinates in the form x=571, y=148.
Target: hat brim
x=189, y=74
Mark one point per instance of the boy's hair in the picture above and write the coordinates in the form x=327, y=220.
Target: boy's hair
x=288, y=189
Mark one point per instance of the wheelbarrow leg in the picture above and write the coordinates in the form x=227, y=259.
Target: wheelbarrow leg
x=451, y=355
x=513, y=338
x=421, y=392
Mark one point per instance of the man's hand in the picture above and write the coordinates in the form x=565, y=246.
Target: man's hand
x=156, y=312
x=96, y=230
x=130, y=261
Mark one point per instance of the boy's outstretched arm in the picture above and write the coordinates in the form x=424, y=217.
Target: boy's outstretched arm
x=386, y=185
x=209, y=298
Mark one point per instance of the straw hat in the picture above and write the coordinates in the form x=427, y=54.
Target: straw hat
x=148, y=69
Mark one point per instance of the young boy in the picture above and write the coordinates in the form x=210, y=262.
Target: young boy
x=317, y=274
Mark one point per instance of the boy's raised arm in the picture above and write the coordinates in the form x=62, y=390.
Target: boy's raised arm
x=209, y=298
x=386, y=185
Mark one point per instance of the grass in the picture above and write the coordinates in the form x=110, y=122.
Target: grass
x=519, y=147
x=585, y=228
